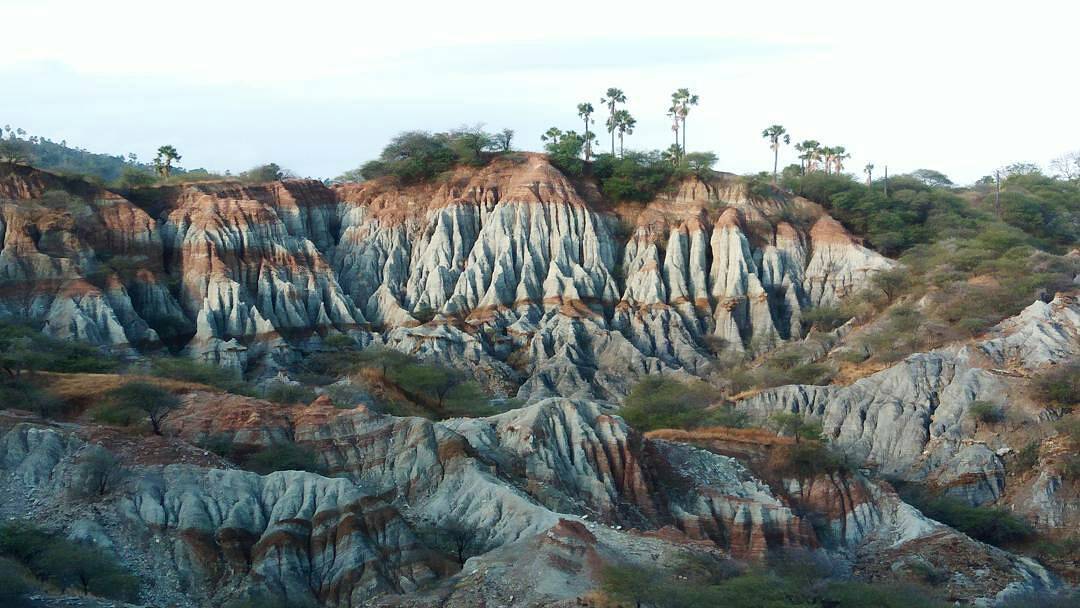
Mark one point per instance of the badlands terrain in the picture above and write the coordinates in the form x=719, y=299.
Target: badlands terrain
x=557, y=306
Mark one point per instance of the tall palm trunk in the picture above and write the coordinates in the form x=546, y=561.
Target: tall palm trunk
x=683, y=137
x=775, y=160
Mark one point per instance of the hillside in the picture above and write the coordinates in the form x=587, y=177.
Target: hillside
x=436, y=392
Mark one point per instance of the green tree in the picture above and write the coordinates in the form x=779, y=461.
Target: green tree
x=163, y=162
x=552, y=135
x=624, y=124
x=612, y=97
x=658, y=403
x=808, y=152
x=503, y=139
x=681, y=102
x=153, y=401
x=585, y=110
x=776, y=134
x=869, y=171
x=934, y=179
x=795, y=425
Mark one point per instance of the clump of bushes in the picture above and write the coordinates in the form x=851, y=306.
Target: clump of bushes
x=1059, y=386
x=24, y=350
x=991, y=525
x=663, y=403
x=986, y=411
x=54, y=560
x=417, y=156
x=281, y=392
x=189, y=370
x=787, y=583
x=135, y=402
x=278, y=456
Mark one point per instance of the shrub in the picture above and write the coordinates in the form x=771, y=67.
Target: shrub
x=658, y=402
x=825, y=318
x=284, y=457
x=990, y=525
x=795, y=425
x=188, y=370
x=153, y=402
x=1059, y=386
x=985, y=411
x=636, y=176
x=24, y=395
x=808, y=459
x=1028, y=456
x=97, y=472
x=66, y=564
x=15, y=584
x=281, y=392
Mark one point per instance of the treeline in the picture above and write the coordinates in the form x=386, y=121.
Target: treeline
x=120, y=172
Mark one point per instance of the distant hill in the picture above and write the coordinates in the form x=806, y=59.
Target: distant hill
x=60, y=158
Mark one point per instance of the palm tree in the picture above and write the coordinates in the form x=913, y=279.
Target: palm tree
x=808, y=149
x=624, y=124
x=554, y=134
x=681, y=100
x=584, y=110
x=164, y=160
x=672, y=154
x=869, y=171
x=839, y=154
x=613, y=97
x=775, y=134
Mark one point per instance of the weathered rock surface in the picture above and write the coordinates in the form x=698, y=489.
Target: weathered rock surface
x=514, y=261
x=912, y=420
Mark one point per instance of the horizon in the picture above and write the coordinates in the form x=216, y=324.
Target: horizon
x=332, y=96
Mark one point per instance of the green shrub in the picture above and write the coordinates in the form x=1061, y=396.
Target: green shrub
x=26, y=396
x=141, y=400
x=825, y=318
x=66, y=564
x=188, y=370
x=991, y=525
x=1059, y=386
x=656, y=402
x=1028, y=456
x=283, y=457
x=636, y=176
x=280, y=392
x=986, y=411
x=16, y=584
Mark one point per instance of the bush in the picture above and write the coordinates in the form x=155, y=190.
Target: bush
x=136, y=400
x=1059, y=386
x=24, y=395
x=66, y=564
x=990, y=525
x=26, y=350
x=281, y=392
x=15, y=584
x=659, y=403
x=808, y=459
x=986, y=411
x=283, y=457
x=97, y=472
x=825, y=318
x=1028, y=456
x=636, y=176
x=418, y=156
x=188, y=370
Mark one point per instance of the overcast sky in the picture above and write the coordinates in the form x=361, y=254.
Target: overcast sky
x=320, y=86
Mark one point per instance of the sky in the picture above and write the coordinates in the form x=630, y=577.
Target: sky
x=320, y=86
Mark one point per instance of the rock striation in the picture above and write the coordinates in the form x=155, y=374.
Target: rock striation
x=514, y=261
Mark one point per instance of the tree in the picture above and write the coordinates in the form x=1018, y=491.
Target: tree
x=700, y=162
x=613, y=96
x=624, y=124
x=503, y=139
x=808, y=154
x=270, y=172
x=795, y=425
x=166, y=155
x=839, y=155
x=891, y=282
x=97, y=472
x=153, y=401
x=656, y=402
x=553, y=135
x=585, y=110
x=13, y=151
x=934, y=179
x=869, y=171
x=681, y=100
x=1067, y=166
x=775, y=134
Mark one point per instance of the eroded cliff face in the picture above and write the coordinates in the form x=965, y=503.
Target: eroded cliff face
x=516, y=262
x=553, y=490
x=913, y=419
